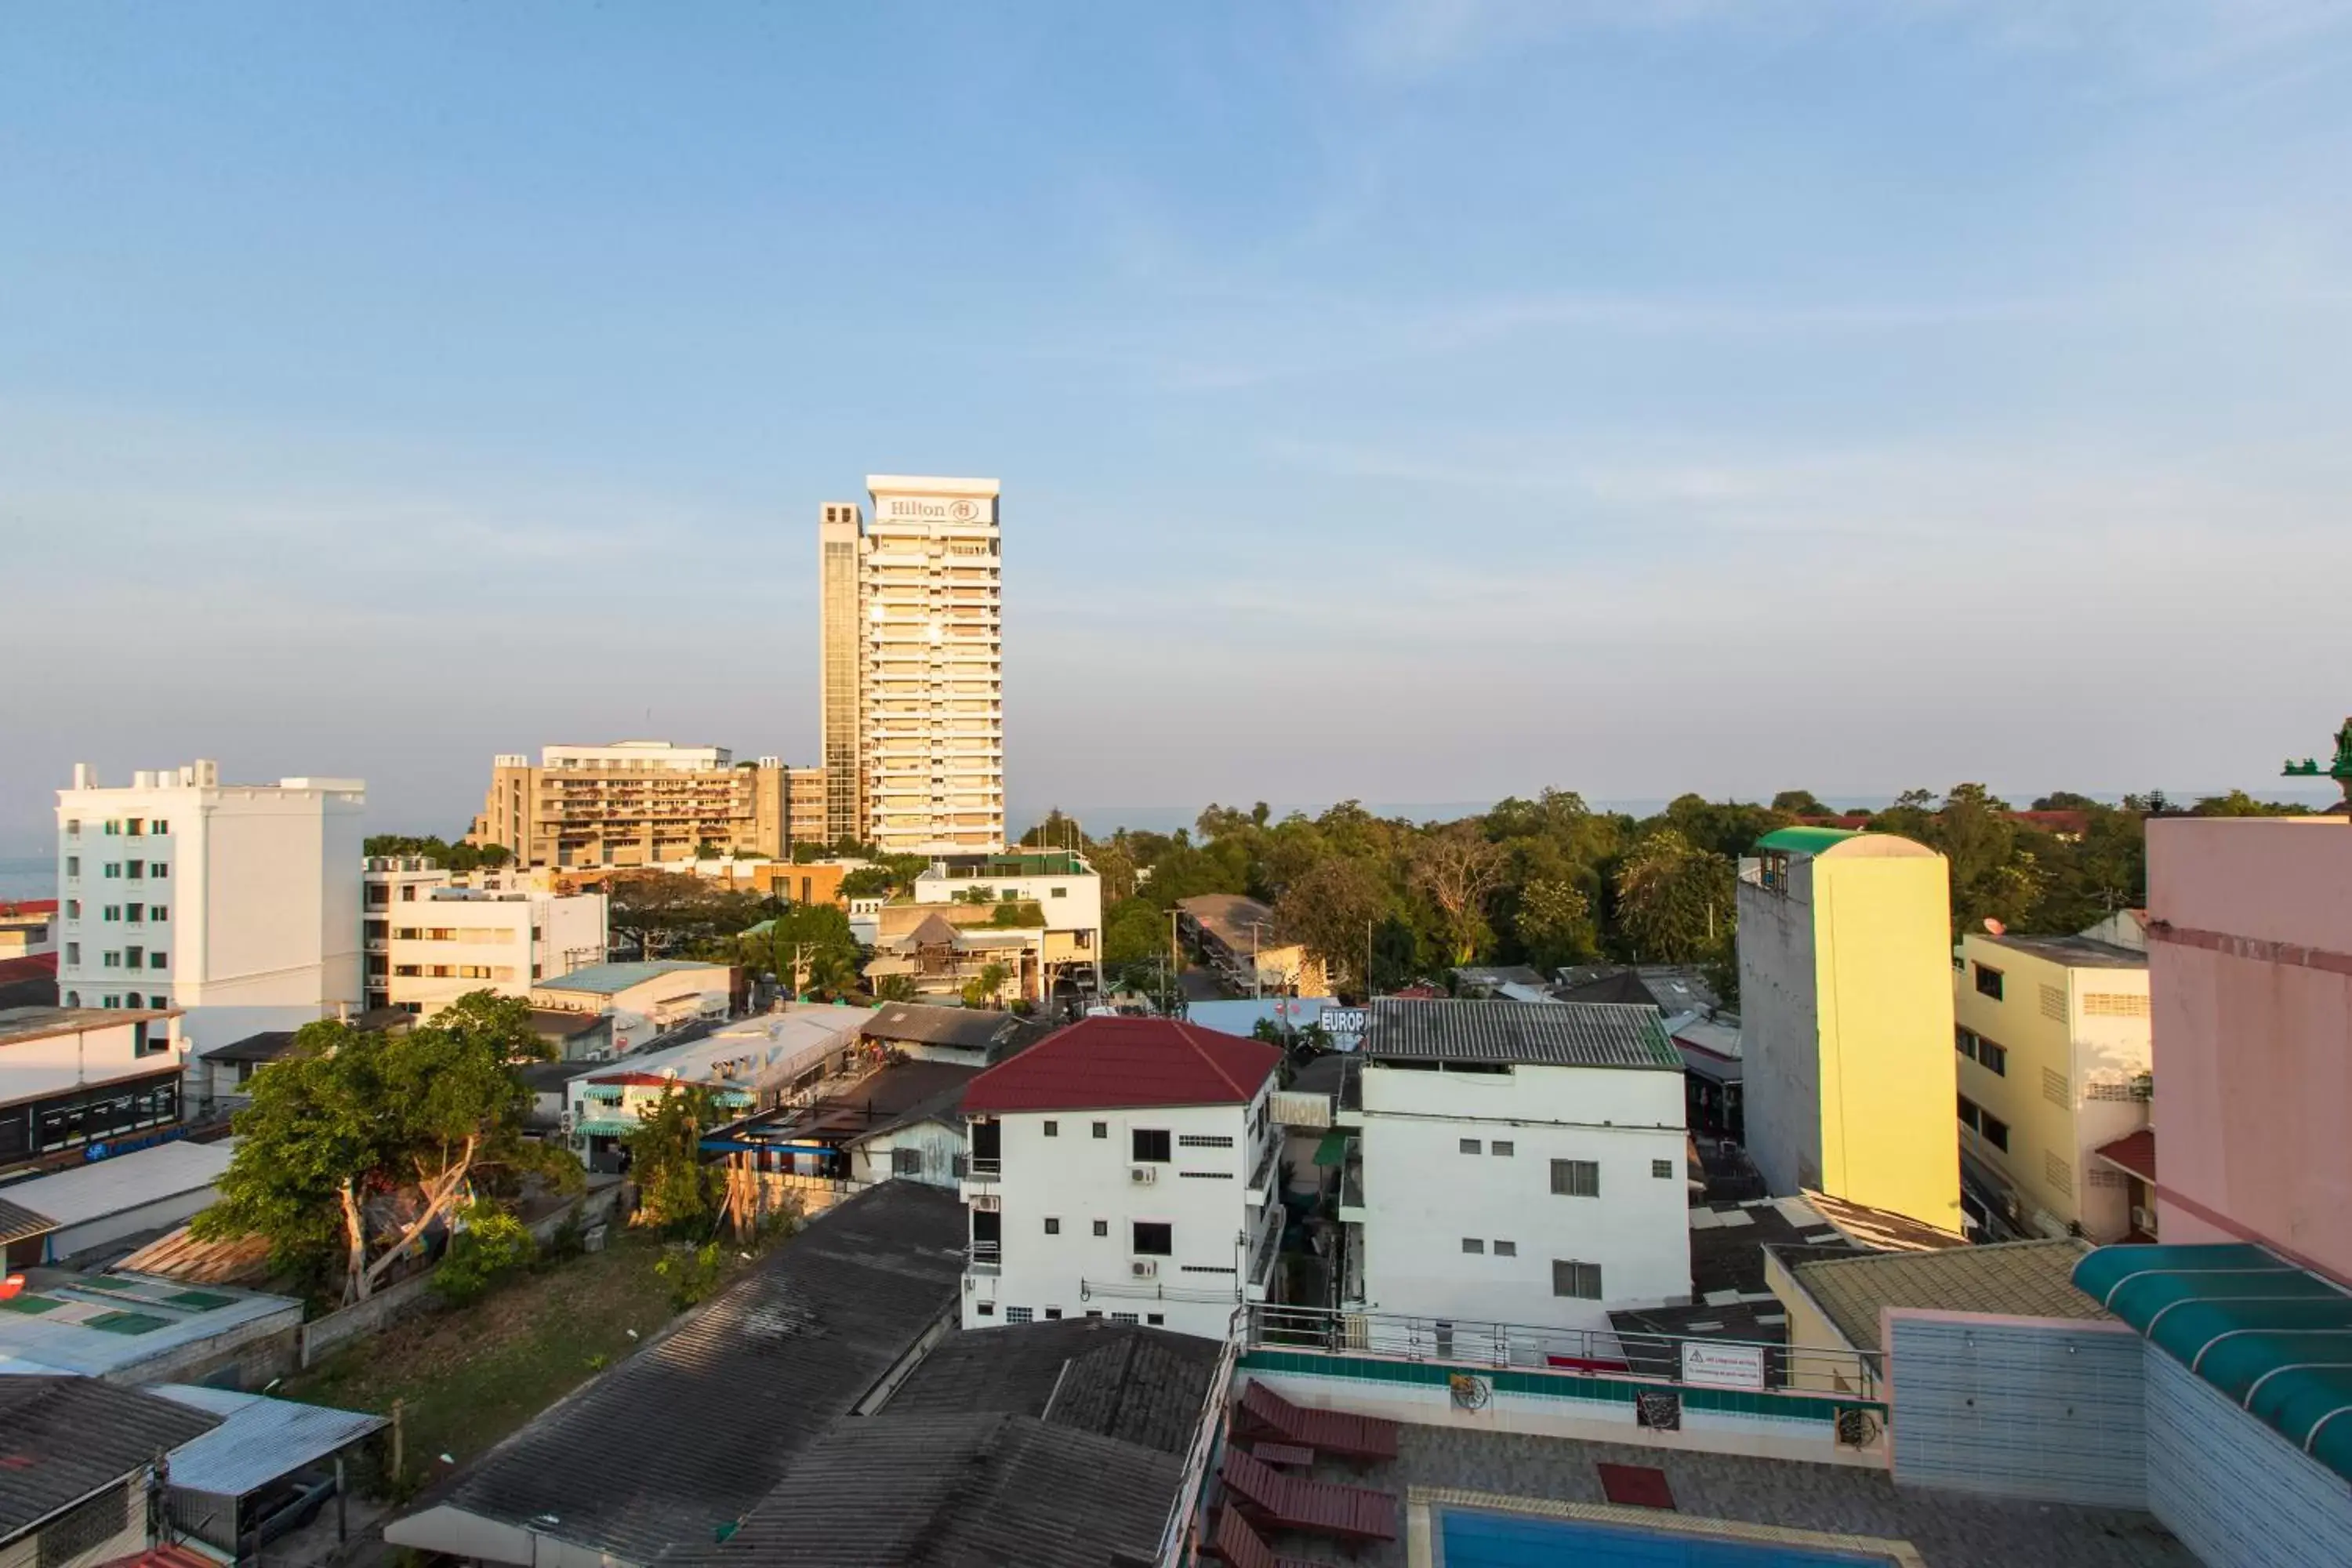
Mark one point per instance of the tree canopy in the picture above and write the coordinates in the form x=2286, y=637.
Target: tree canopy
x=457, y=857
x=357, y=1143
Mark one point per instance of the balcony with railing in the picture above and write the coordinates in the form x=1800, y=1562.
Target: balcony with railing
x=985, y=1258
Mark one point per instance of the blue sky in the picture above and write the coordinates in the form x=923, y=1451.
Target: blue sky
x=1419, y=402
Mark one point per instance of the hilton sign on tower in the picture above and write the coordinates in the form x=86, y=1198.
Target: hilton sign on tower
x=913, y=678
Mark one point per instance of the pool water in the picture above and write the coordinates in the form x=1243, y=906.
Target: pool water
x=1478, y=1539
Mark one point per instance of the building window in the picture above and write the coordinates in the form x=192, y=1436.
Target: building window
x=1053, y=1130
x=1018, y=1314
x=73, y=909
x=159, y=828
x=134, y=869
x=1473, y=1244
x=1102, y=1228
x=73, y=827
x=1965, y=1042
x=1205, y=1141
x=1052, y=1313
x=1124, y=1318
x=1988, y=981
x=1154, y=1240
x=1102, y=1129
x=905, y=1162
x=73, y=953
x=159, y=960
x=1580, y=1281
x=159, y=913
x=113, y=869
x=1053, y=1224
x=73, y=865
x=132, y=999
x=156, y=868
x=1994, y=1058
x=134, y=913
x=1507, y=1249
x=1576, y=1178
x=1502, y=1146
x=1470, y=1146
x=110, y=912
x=984, y=1309
x=1996, y=1132
x=110, y=960
x=1663, y=1170
x=1154, y=1319
x=1151, y=1146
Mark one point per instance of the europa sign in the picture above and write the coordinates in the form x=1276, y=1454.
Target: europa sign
x=1712, y=1365
x=931, y=509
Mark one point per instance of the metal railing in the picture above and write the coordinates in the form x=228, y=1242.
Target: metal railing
x=1686, y=1360
x=986, y=1169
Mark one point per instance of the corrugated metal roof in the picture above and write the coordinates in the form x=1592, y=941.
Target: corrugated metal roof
x=18, y=1223
x=62, y=1438
x=258, y=1440
x=689, y=1433
x=1140, y=1385
x=607, y=979
x=919, y=1024
x=1103, y=1064
x=124, y=1182
x=2020, y=1278
x=1593, y=1035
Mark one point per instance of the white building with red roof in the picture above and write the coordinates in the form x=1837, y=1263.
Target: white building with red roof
x=1124, y=1168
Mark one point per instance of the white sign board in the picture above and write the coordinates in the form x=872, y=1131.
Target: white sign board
x=1723, y=1366
x=1342, y=1020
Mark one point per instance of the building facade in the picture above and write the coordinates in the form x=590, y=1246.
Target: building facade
x=1239, y=937
x=1515, y=1162
x=2052, y=1036
x=430, y=939
x=1128, y=1168
x=1845, y=1005
x=926, y=621
x=238, y=904
x=74, y=1077
x=1058, y=884
x=640, y=803
x=2249, y=962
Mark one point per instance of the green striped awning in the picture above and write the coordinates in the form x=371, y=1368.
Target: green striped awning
x=609, y=1127
x=609, y=1093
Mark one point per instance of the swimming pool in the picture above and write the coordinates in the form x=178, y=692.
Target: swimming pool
x=1474, y=1538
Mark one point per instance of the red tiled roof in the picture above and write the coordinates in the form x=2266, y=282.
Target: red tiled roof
x=31, y=966
x=2135, y=1152
x=639, y=1079
x=28, y=907
x=163, y=1557
x=1105, y=1064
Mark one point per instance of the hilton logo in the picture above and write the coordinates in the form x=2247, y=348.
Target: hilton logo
x=932, y=511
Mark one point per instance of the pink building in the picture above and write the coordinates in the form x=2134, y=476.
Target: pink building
x=2249, y=961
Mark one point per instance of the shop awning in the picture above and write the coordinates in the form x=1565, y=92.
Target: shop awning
x=1333, y=1150
x=609, y=1126
x=2275, y=1338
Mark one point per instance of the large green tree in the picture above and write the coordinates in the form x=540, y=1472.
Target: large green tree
x=356, y=1143
x=1332, y=908
x=1675, y=900
x=678, y=1193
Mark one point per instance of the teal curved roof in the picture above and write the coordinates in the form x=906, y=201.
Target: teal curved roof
x=1804, y=840
x=2274, y=1338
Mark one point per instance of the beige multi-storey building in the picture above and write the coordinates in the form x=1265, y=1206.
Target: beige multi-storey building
x=644, y=802
x=927, y=626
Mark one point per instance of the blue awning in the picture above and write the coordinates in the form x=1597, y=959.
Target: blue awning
x=2275, y=1338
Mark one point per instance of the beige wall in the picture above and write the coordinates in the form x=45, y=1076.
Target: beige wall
x=26, y=1550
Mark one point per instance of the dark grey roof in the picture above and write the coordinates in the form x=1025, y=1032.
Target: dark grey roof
x=1145, y=1386
x=2075, y=952
x=919, y=1024
x=564, y=1024
x=62, y=1438
x=18, y=1223
x=266, y=1047
x=693, y=1430
x=939, y=1490
x=1547, y=1033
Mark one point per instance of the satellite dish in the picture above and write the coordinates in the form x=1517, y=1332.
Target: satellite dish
x=1995, y=927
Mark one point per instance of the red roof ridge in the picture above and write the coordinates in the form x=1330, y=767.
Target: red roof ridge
x=1110, y=1063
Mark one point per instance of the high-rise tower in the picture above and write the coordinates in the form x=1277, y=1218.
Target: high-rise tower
x=925, y=620
x=841, y=670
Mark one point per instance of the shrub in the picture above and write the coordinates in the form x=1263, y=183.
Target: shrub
x=492, y=1245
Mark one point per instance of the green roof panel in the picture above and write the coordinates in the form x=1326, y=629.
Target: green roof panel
x=1804, y=840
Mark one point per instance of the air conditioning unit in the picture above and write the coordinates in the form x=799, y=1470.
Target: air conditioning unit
x=2144, y=1220
x=1143, y=1176
x=987, y=1203
x=1145, y=1268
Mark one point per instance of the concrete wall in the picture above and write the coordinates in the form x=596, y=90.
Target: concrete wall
x=1424, y=1196
x=941, y=1146
x=53, y=1064
x=1563, y=1405
x=2234, y=1491
x=1780, y=1030
x=2047, y=1409
x=387, y=1306
x=2250, y=954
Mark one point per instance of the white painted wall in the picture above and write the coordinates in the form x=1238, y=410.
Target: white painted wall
x=505, y=942
x=940, y=1145
x=93, y=1053
x=1423, y=1196
x=1069, y=1174
x=261, y=884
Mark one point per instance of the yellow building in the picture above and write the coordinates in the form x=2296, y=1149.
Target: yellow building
x=1845, y=1005
x=644, y=802
x=2052, y=1037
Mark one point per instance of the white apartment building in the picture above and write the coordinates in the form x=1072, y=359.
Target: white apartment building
x=929, y=701
x=1515, y=1162
x=238, y=904
x=431, y=939
x=1063, y=887
x=71, y=1077
x=1126, y=1168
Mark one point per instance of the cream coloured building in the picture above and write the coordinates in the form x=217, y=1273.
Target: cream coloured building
x=2054, y=1056
x=432, y=938
x=927, y=707
x=643, y=803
